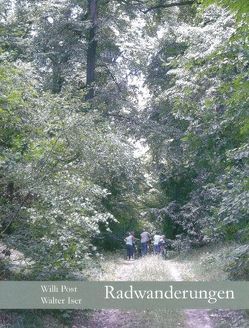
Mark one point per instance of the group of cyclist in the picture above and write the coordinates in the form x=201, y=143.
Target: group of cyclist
x=148, y=244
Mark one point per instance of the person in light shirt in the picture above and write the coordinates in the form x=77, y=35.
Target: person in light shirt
x=145, y=237
x=129, y=241
x=162, y=243
x=156, y=243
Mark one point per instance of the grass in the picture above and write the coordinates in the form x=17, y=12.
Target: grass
x=150, y=268
x=204, y=264
x=31, y=319
x=207, y=263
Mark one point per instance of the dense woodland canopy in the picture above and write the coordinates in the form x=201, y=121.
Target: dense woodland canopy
x=118, y=115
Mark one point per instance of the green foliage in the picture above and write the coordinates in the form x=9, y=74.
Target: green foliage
x=69, y=178
x=203, y=161
x=238, y=263
x=240, y=7
x=60, y=175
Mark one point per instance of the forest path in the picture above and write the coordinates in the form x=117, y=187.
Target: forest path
x=150, y=268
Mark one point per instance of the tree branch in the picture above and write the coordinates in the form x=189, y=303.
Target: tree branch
x=168, y=5
x=112, y=76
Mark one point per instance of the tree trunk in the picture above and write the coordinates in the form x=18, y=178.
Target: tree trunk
x=57, y=79
x=92, y=48
x=10, y=190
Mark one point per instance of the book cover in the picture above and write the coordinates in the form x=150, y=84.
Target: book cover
x=124, y=163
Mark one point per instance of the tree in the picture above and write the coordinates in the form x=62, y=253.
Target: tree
x=92, y=48
x=197, y=126
x=92, y=33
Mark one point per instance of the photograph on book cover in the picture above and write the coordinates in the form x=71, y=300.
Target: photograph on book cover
x=124, y=152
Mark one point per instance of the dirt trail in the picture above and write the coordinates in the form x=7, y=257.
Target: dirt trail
x=194, y=318
x=149, y=268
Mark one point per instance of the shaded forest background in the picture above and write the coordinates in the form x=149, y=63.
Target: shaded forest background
x=118, y=115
